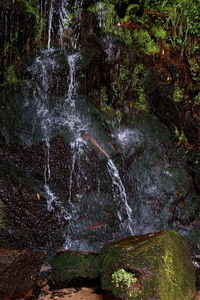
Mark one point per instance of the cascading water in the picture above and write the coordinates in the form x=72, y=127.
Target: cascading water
x=62, y=126
x=126, y=211
x=50, y=24
x=65, y=116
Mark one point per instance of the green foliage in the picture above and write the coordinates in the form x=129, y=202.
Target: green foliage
x=106, y=108
x=145, y=43
x=137, y=85
x=124, y=72
x=159, y=32
x=10, y=44
x=197, y=99
x=131, y=7
x=195, y=70
x=126, y=35
x=120, y=85
x=29, y=7
x=137, y=74
x=10, y=76
x=70, y=19
x=106, y=12
x=141, y=102
x=104, y=100
x=177, y=94
x=123, y=279
x=183, y=20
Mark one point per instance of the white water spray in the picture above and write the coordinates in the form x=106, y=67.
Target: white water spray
x=50, y=24
x=114, y=173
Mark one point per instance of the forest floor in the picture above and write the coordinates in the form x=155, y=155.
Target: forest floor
x=85, y=293
x=89, y=293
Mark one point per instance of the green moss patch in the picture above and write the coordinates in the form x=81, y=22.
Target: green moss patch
x=70, y=267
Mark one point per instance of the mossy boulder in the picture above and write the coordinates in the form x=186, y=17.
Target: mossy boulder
x=74, y=268
x=152, y=266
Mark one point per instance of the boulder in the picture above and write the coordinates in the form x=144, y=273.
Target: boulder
x=154, y=266
x=74, y=268
x=18, y=272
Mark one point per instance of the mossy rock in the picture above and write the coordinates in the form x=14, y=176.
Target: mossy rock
x=74, y=268
x=159, y=263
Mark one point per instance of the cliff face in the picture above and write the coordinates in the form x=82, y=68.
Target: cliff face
x=76, y=68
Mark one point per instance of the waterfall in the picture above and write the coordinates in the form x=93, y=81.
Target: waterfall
x=63, y=19
x=98, y=171
x=114, y=173
x=65, y=115
x=50, y=24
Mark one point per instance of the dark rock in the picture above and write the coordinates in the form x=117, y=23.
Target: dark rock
x=71, y=267
x=18, y=271
x=153, y=266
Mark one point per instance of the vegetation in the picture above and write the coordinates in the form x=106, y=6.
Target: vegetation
x=145, y=43
x=123, y=279
x=28, y=7
x=162, y=36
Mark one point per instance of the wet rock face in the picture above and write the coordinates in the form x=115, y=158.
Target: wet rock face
x=22, y=175
x=152, y=266
x=18, y=272
x=55, y=191
x=148, y=168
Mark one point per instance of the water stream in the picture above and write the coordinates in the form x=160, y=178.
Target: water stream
x=65, y=115
x=50, y=24
x=100, y=170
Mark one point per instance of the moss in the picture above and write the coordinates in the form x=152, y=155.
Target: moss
x=10, y=76
x=144, y=42
x=159, y=32
x=177, y=94
x=71, y=265
x=182, y=141
x=160, y=262
x=29, y=7
x=140, y=101
x=176, y=284
x=126, y=36
x=197, y=99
